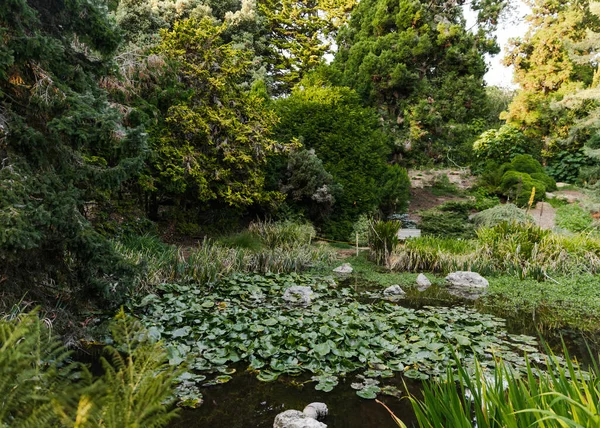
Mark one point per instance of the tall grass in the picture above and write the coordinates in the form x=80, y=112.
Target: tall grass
x=564, y=396
x=209, y=261
x=383, y=239
x=283, y=234
x=521, y=250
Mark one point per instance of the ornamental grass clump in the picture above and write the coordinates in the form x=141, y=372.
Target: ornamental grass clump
x=287, y=234
x=383, y=239
x=563, y=396
x=501, y=213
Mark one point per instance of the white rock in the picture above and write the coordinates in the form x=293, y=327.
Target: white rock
x=467, y=279
x=316, y=410
x=296, y=419
x=394, y=290
x=298, y=295
x=423, y=282
x=345, y=268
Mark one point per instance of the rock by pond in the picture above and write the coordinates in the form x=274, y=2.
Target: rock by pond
x=467, y=285
x=316, y=410
x=394, y=290
x=423, y=282
x=346, y=268
x=296, y=419
x=298, y=295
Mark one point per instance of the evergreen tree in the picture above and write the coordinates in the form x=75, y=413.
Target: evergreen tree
x=62, y=147
x=417, y=62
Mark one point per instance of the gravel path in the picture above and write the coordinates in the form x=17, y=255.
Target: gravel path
x=544, y=214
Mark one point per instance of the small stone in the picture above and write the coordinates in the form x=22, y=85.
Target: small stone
x=345, y=268
x=394, y=290
x=316, y=410
x=423, y=282
x=298, y=295
x=296, y=419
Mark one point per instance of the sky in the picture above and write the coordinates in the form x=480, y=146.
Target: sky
x=515, y=26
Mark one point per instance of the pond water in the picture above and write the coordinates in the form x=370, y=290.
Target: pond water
x=249, y=403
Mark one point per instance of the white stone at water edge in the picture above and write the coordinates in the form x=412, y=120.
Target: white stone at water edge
x=345, y=268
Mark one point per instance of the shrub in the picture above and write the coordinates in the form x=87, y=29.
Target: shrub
x=245, y=239
x=395, y=190
x=546, y=179
x=501, y=144
x=361, y=228
x=442, y=186
x=527, y=164
x=501, y=213
x=446, y=224
x=573, y=218
x=383, y=239
x=519, y=185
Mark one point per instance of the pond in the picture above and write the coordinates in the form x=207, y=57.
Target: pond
x=245, y=401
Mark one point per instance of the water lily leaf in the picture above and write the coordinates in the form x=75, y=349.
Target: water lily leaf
x=462, y=340
x=181, y=332
x=267, y=376
x=369, y=392
x=322, y=348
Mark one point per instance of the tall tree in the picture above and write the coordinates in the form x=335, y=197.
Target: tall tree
x=417, y=62
x=62, y=147
x=211, y=139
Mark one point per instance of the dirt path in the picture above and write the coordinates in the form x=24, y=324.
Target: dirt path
x=543, y=215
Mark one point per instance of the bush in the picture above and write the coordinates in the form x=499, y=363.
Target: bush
x=527, y=164
x=501, y=144
x=442, y=186
x=448, y=224
x=501, y=213
x=546, y=179
x=361, y=228
x=519, y=185
x=383, y=239
x=573, y=218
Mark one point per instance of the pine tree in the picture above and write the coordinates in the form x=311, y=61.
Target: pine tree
x=62, y=147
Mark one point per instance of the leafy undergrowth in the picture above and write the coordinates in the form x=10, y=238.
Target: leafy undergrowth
x=243, y=319
x=562, y=302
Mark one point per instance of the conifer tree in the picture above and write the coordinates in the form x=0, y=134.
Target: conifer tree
x=62, y=147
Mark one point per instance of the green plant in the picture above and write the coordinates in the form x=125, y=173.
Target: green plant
x=574, y=218
x=383, y=239
x=564, y=396
x=501, y=145
x=447, y=224
x=442, y=186
x=245, y=239
x=41, y=387
x=546, y=179
x=243, y=320
x=283, y=233
x=518, y=186
x=360, y=228
x=501, y=213
x=526, y=164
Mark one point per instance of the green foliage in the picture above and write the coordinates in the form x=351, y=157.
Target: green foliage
x=283, y=234
x=526, y=164
x=310, y=186
x=297, y=34
x=442, y=186
x=361, y=228
x=210, y=261
x=42, y=387
x=349, y=140
x=214, y=139
x=518, y=250
x=395, y=190
x=568, y=165
x=420, y=65
x=383, y=239
x=546, y=179
x=565, y=395
x=509, y=213
x=502, y=145
x=62, y=144
x=449, y=222
x=518, y=186
x=569, y=301
x=574, y=218
x=243, y=320
x=245, y=239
